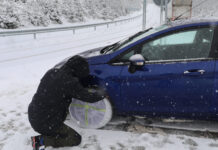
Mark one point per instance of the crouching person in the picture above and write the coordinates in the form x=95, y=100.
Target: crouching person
x=49, y=107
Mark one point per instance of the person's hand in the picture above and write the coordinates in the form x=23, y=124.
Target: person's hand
x=97, y=91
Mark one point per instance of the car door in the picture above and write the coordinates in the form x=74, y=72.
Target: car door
x=178, y=77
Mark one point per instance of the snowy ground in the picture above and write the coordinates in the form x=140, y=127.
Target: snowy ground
x=23, y=61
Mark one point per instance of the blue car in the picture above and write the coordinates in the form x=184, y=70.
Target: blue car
x=169, y=71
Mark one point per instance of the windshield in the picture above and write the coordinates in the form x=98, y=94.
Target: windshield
x=128, y=41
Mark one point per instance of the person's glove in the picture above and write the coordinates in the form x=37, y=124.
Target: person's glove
x=97, y=91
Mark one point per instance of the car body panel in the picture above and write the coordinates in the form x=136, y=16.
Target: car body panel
x=215, y=100
x=164, y=88
x=108, y=77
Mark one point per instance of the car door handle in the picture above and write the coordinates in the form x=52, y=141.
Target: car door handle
x=194, y=71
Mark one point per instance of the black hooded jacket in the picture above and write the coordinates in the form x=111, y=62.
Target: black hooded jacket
x=49, y=106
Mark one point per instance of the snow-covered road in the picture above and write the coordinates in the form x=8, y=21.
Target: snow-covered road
x=23, y=61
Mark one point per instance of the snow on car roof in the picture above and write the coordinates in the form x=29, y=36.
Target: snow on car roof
x=192, y=21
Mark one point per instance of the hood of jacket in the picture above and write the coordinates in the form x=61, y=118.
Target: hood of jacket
x=79, y=66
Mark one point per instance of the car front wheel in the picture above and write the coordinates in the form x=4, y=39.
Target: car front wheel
x=90, y=115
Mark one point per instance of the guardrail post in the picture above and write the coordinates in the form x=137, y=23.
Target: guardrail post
x=95, y=28
x=34, y=34
x=73, y=31
x=108, y=25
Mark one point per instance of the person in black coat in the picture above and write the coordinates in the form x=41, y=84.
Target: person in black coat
x=49, y=106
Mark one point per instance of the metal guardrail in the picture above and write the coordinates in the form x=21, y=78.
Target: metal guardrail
x=57, y=29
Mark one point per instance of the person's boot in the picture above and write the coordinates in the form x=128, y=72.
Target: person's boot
x=38, y=143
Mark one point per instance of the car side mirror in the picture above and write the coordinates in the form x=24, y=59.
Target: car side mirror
x=137, y=61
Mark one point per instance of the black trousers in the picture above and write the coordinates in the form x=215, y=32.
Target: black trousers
x=63, y=137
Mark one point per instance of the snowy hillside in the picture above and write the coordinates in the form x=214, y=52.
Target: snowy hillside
x=22, y=13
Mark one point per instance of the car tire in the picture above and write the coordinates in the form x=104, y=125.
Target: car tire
x=90, y=115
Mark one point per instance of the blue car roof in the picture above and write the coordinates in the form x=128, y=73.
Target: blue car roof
x=193, y=22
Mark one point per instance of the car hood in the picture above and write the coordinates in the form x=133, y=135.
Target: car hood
x=94, y=57
x=91, y=53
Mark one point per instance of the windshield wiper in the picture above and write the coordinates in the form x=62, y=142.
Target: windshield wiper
x=115, y=45
x=108, y=48
x=139, y=33
x=136, y=35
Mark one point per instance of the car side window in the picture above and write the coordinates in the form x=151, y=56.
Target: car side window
x=193, y=43
x=128, y=55
x=189, y=44
x=176, y=39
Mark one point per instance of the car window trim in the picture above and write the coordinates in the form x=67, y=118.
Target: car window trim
x=212, y=53
x=179, y=60
x=172, y=61
x=214, y=48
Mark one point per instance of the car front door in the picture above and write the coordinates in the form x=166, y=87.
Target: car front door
x=178, y=77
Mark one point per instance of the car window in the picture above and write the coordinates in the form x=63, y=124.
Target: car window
x=176, y=39
x=128, y=55
x=194, y=43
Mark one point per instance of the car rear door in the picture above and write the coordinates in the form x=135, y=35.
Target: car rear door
x=178, y=78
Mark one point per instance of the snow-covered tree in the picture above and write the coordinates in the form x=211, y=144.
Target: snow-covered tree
x=17, y=13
